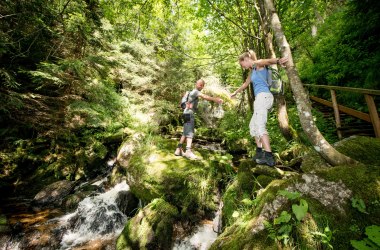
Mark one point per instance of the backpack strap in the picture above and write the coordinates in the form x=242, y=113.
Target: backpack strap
x=192, y=101
x=267, y=81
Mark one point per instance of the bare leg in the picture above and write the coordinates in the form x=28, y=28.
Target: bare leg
x=258, y=142
x=188, y=142
x=189, y=154
x=182, y=140
x=179, y=150
x=265, y=142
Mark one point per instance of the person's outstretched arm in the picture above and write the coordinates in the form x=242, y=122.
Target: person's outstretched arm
x=243, y=86
x=270, y=61
x=210, y=98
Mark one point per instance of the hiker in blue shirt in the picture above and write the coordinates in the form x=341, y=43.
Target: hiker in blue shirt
x=188, y=114
x=262, y=104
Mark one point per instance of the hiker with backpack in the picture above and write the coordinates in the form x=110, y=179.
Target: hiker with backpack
x=262, y=104
x=190, y=104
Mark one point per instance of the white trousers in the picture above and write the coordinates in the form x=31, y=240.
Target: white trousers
x=262, y=104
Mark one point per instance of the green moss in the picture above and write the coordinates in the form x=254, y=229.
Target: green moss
x=363, y=149
x=156, y=172
x=313, y=161
x=269, y=194
x=230, y=202
x=238, y=236
x=3, y=219
x=264, y=180
x=238, y=195
x=362, y=180
x=244, y=177
x=151, y=228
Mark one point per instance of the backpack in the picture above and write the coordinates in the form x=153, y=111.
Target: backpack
x=274, y=81
x=184, y=100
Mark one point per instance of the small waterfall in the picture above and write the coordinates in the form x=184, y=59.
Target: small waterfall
x=97, y=216
x=204, y=235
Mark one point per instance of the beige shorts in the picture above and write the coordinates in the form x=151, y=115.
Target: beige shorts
x=262, y=104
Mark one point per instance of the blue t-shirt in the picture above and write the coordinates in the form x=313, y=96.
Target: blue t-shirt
x=258, y=79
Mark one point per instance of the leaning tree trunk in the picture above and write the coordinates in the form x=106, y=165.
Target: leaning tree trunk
x=283, y=121
x=324, y=148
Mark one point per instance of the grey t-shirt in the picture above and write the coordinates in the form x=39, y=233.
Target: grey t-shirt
x=193, y=98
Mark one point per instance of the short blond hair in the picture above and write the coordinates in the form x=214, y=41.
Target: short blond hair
x=248, y=54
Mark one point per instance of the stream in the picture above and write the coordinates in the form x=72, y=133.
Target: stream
x=95, y=224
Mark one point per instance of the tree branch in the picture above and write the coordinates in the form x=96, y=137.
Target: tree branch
x=231, y=21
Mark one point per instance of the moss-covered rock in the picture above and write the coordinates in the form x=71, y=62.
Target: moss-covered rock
x=238, y=193
x=53, y=194
x=263, y=180
x=151, y=228
x=341, y=200
x=153, y=171
x=360, y=148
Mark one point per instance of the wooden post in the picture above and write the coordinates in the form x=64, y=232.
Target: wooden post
x=336, y=113
x=373, y=114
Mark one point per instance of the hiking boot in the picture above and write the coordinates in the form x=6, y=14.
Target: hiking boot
x=178, y=152
x=266, y=159
x=258, y=155
x=190, y=155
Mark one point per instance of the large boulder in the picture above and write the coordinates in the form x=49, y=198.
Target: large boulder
x=336, y=204
x=153, y=171
x=53, y=194
x=151, y=228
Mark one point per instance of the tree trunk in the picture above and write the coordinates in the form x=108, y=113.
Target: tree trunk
x=324, y=148
x=282, y=117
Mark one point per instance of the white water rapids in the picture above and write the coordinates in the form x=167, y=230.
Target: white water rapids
x=204, y=235
x=97, y=216
x=96, y=224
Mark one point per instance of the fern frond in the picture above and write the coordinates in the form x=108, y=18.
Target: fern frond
x=7, y=80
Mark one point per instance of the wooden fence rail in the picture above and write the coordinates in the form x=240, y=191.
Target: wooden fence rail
x=372, y=117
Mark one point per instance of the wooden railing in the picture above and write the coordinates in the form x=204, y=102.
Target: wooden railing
x=372, y=117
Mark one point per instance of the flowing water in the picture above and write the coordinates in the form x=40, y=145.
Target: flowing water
x=204, y=234
x=96, y=217
x=96, y=223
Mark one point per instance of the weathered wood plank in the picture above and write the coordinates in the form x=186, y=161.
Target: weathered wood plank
x=350, y=111
x=373, y=114
x=356, y=90
x=336, y=113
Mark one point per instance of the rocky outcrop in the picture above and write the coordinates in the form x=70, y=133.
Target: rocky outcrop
x=53, y=194
x=151, y=228
x=175, y=189
x=336, y=198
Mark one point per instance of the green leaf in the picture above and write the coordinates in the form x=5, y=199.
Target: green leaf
x=289, y=195
x=363, y=244
x=328, y=233
x=359, y=205
x=284, y=218
x=285, y=229
x=373, y=233
x=247, y=202
x=300, y=210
